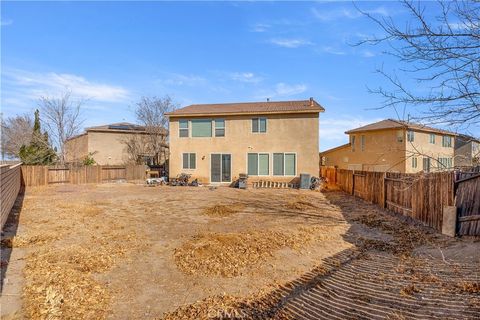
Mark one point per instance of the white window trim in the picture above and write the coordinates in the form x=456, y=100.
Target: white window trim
x=210, y=168
x=270, y=163
x=196, y=160
x=434, y=138
x=259, y=132
x=296, y=164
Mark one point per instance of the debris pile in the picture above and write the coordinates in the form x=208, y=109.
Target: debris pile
x=230, y=254
x=220, y=210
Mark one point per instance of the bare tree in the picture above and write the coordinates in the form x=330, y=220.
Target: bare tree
x=61, y=117
x=442, y=54
x=16, y=132
x=135, y=146
x=150, y=112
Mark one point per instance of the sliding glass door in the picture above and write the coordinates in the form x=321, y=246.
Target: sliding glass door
x=220, y=167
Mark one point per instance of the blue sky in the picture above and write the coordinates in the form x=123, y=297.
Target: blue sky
x=205, y=52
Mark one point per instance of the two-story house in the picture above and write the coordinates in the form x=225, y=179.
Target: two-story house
x=467, y=151
x=269, y=140
x=109, y=145
x=392, y=145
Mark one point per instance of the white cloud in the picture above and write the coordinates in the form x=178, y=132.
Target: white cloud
x=260, y=27
x=332, y=50
x=248, y=77
x=346, y=13
x=6, y=22
x=290, y=42
x=283, y=89
x=33, y=85
x=367, y=54
x=184, y=80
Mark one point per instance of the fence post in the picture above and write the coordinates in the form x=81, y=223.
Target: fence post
x=384, y=190
x=353, y=182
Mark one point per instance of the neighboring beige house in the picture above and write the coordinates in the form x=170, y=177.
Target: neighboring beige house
x=275, y=141
x=107, y=145
x=397, y=146
x=467, y=151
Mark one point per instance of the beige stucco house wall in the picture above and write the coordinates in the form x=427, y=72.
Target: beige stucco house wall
x=286, y=133
x=389, y=150
x=107, y=146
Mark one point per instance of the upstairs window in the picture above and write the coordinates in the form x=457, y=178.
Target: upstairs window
x=259, y=125
x=362, y=143
x=410, y=136
x=446, y=141
x=414, y=162
x=432, y=138
x=399, y=136
x=352, y=142
x=183, y=129
x=189, y=160
x=219, y=128
x=201, y=128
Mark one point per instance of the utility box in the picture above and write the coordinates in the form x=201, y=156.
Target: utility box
x=449, y=220
x=304, y=181
x=242, y=181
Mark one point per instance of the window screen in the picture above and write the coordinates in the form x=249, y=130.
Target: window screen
x=290, y=164
x=183, y=126
x=252, y=164
x=219, y=128
x=278, y=164
x=259, y=125
x=263, y=163
x=189, y=160
x=202, y=128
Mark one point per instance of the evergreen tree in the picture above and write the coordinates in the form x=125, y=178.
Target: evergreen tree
x=39, y=151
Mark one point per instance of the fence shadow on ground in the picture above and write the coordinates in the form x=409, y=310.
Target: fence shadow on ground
x=374, y=280
x=9, y=232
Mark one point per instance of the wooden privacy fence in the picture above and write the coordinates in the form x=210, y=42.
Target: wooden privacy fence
x=44, y=175
x=419, y=196
x=10, y=183
x=467, y=201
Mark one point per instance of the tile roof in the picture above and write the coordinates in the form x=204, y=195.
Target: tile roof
x=394, y=124
x=298, y=106
x=124, y=126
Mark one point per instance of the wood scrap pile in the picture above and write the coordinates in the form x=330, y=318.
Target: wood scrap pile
x=231, y=254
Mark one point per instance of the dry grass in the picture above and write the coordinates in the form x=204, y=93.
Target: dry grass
x=230, y=254
x=409, y=290
x=467, y=287
x=61, y=284
x=300, y=203
x=406, y=237
x=220, y=210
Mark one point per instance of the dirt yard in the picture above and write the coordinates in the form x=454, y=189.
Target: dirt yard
x=124, y=251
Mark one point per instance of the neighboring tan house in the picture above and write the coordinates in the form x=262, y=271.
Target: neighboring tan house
x=396, y=146
x=467, y=151
x=275, y=141
x=107, y=145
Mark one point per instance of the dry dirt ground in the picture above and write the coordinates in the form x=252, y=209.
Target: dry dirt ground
x=124, y=251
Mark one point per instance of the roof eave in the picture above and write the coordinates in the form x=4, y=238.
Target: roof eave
x=191, y=114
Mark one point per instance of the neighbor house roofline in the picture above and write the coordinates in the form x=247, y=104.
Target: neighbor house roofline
x=346, y=145
x=119, y=127
x=389, y=124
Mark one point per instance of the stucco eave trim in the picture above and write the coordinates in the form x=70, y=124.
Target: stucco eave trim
x=186, y=115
